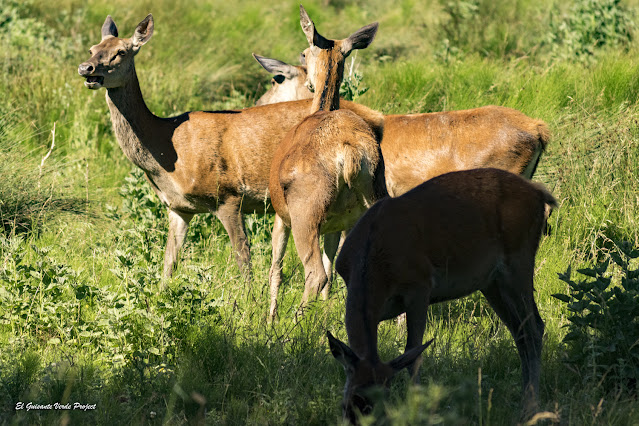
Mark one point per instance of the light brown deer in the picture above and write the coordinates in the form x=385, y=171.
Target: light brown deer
x=288, y=82
x=440, y=142
x=327, y=171
x=451, y=236
x=198, y=161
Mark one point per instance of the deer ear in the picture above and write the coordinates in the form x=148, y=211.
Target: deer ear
x=276, y=67
x=143, y=32
x=409, y=357
x=342, y=352
x=360, y=39
x=312, y=36
x=109, y=28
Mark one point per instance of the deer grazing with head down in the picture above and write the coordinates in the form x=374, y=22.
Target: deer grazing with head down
x=327, y=171
x=461, y=232
x=196, y=162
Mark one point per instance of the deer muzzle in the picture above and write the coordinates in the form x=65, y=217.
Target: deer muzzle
x=92, y=81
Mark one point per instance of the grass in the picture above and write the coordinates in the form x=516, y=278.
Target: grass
x=81, y=315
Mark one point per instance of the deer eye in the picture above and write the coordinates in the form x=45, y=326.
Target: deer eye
x=121, y=52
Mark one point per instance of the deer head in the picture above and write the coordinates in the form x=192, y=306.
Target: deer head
x=364, y=375
x=111, y=64
x=326, y=57
x=288, y=82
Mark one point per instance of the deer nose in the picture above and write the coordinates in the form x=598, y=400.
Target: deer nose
x=85, y=69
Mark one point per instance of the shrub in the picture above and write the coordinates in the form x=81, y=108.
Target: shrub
x=603, y=332
x=351, y=88
x=590, y=25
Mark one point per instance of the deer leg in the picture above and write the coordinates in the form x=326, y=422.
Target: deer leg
x=415, y=326
x=331, y=242
x=306, y=236
x=280, y=236
x=178, y=225
x=517, y=308
x=231, y=217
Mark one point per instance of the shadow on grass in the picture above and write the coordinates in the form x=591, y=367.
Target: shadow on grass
x=220, y=377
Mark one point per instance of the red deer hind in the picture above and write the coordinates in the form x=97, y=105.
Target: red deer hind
x=461, y=232
x=327, y=171
x=288, y=82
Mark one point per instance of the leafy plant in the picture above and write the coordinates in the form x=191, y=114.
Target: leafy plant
x=603, y=336
x=351, y=87
x=458, y=27
x=590, y=25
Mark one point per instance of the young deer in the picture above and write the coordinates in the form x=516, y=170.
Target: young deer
x=451, y=236
x=198, y=161
x=327, y=171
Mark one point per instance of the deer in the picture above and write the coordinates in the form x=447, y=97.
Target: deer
x=460, y=232
x=437, y=137
x=418, y=147
x=196, y=162
x=327, y=170
x=288, y=82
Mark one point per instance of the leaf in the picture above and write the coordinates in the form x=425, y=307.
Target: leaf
x=565, y=276
x=573, y=335
x=563, y=297
x=588, y=272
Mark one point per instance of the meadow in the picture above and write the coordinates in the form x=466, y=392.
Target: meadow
x=82, y=316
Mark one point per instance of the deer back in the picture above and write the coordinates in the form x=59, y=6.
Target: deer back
x=417, y=147
x=457, y=228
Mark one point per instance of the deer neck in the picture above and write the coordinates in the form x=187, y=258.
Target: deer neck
x=326, y=96
x=361, y=327
x=133, y=123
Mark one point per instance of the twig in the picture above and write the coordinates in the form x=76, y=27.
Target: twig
x=48, y=154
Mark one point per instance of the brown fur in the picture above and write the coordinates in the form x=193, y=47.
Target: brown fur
x=323, y=173
x=451, y=236
x=198, y=161
x=417, y=147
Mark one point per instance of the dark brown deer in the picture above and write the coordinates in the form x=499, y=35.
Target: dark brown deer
x=327, y=171
x=461, y=232
x=199, y=161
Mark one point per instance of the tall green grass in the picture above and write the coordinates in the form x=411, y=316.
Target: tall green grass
x=81, y=315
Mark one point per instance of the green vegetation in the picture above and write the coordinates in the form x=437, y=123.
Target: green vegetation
x=82, y=318
x=603, y=328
